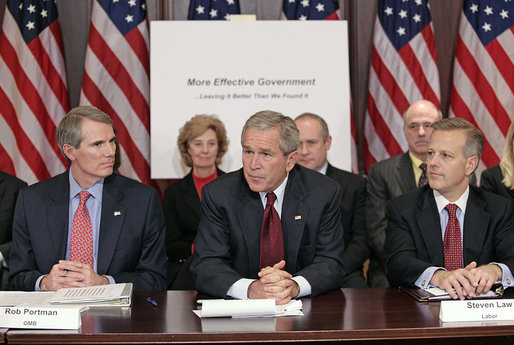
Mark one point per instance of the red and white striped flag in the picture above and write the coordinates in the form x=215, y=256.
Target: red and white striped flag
x=116, y=78
x=403, y=70
x=483, y=74
x=33, y=93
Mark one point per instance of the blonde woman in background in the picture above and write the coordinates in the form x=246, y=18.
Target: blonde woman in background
x=499, y=179
x=202, y=142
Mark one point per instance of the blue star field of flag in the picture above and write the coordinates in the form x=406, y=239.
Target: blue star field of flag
x=489, y=18
x=402, y=20
x=125, y=14
x=32, y=16
x=309, y=9
x=213, y=9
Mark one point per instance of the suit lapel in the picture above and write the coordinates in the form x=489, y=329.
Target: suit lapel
x=250, y=214
x=113, y=214
x=57, y=211
x=405, y=174
x=294, y=214
x=430, y=226
x=476, y=221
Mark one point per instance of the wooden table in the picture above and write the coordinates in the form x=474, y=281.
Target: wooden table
x=385, y=316
x=3, y=331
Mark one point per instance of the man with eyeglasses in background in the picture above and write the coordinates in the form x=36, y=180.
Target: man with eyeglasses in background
x=395, y=176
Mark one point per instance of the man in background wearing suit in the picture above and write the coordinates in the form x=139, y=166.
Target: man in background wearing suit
x=88, y=226
x=395, y=176
x=300, y=253
x=450, y=234
x=315, y=142
x=9, y=188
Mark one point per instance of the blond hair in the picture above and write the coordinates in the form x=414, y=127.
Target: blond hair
x=197, y=126
x=507, y=161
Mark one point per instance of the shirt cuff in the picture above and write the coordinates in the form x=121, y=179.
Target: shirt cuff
x=507, y=278
x=38, y=281
x=303, y=284
x=423, y=280
x=110, y=279
x=2, y=261
x=239, y=289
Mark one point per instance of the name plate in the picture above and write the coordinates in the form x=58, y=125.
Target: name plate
x=40, y=317
x=477, y=310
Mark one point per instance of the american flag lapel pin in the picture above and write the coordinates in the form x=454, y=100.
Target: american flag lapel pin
x=117, y=213
x=299, y=217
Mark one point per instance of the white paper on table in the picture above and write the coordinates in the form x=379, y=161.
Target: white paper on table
x=247, y=308
x=14, y=298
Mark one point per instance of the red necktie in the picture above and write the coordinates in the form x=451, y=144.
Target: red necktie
x=423, y=179
x=452, y=243
x=272, y=242
x=81, y=243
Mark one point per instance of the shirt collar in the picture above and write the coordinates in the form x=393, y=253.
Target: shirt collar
x=96, y=190
x=461, y=202
x=324, y=168
x=415, y=161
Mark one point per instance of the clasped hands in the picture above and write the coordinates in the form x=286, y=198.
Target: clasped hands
x=71, y=274
x=274, y=283
x=468, y=281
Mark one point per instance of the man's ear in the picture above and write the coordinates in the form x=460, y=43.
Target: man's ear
x=69, y=151
x=471, y=165
x=328, y=142
x=291, y=160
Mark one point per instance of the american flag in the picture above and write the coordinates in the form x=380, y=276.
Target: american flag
x=403, y=70
x=33, y=92
x=213, y=9
x=311, y=9
x=483, y=75
x=116, y=78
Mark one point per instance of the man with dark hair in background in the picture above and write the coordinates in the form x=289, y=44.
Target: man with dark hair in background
x=315, y=142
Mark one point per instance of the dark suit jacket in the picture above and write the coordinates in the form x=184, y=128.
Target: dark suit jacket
x=414, y=240
x=387, y=179
x=9, y=187
x=131, y=245
x=182, y=213
x=491, y=181
x=353, y=217
x=228, y=240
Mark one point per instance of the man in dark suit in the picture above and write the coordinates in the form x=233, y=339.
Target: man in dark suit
x=315, y=142
x=449, y=234
x=228, y=259
x=9, y=188
x=123, y=237
x=395, y=176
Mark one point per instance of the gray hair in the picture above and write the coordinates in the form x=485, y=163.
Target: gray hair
x=322, y=123
x=267, y=119
x=474, y=138
x=68, y=131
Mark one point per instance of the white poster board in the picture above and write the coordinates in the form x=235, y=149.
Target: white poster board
x=235, y=69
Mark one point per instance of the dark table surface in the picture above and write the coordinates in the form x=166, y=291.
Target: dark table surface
x=386, y=316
